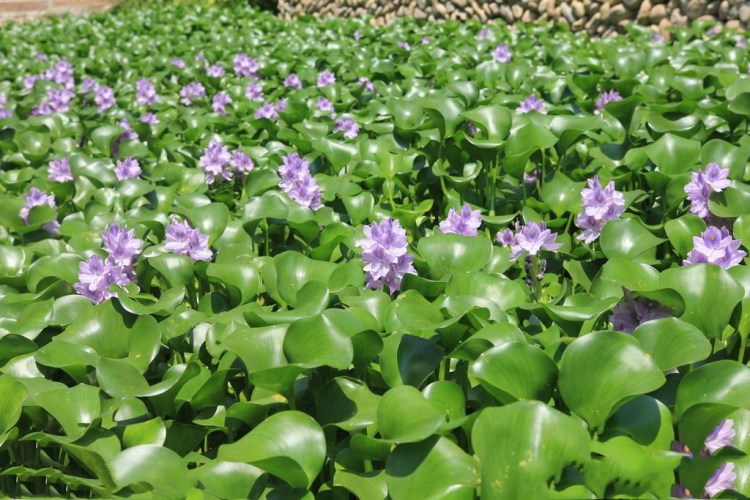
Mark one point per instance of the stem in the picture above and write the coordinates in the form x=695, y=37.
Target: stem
x=534, y=278
x=266, y=244
x=743, y=346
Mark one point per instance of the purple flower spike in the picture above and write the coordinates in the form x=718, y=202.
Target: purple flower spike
x=658, y=37
x=404, y=45
x=292, y=81
x=531, y=103
x=56, y=101
x=254, y=92
x=349, y=127
x=178, y=63
x=324, y=105
x=384, y=253
x=465, y=223
x=267, y=111
x=606, y=98
x=214, y=71
x=722, y=435
x=280, y=105
x=484, y=34
x=297, y=182
x=721, y=480
x=145, y=92
x=127, y=169
x=715, y=246
x=245, y=65
x=35, y=198
x=95, y=276
x=215, y=162
x=242, y=163
x=426, y=40
x=59, y=171
x=149, y=119
x=366, y=83
x=191, y=92
x=531, y=238
x=220, y=101
x=89, y=85
x=182, y=239
x=121, y=245
x=325, y=79
x=104, y=97
x=599, y=206
x=631, y=313
x=502, y=54
x=713, y=179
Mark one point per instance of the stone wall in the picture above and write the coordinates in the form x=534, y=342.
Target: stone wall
x=27, y=9
x=600, y=17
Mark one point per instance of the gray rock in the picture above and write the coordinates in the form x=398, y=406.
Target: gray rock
x=745, y=13
x=695, y=9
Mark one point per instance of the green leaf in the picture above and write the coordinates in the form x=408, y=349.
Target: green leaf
x=14, y=394
x=346, y=403
x=522, y=143
x=672, y=342
x=404, y=415
x=160, y=468
x=673, y=154
x=148, y=432
x=627, y=238
x=449, y=253
x=318, y=341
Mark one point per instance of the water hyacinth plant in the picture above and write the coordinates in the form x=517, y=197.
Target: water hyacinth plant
x=242, y=257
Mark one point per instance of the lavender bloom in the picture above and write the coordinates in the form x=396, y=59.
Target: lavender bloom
x=483, y=34
x=149, y=119
x=297, y=182
x=713, y=31
x=502, y=54
x=472, y=129
x=104, y=97
x=324, y=105
x=531, y=103
x=721, y=480
x=293, y=81
x=426, y=40
x=531, y=177
x=715, y=246
x=384, y=253
x=606, y=98
x=464, y=223
x=61, y=73
x=215, y=162
x=127, y=169
x=349, y=127
x=89, y=85
x=29, y=81
x=185, y=240
x=215, y=71
x=325, y=79
x=404, y=45
x=177, y=63
x=679, y=491
x=35, y=198
x=145, y=92
x=242, y=163
x=531, y=238
x=254, y=92
x=741, y=43
x=95, y=276
x=199, y=57
x=266, y=111
x=129, y=134
x=59, y=171
x=4, y=113
x=722, y=435
x=658, y=37
x=191, y=92
x=280, y=105
x=56, y=101
x=41, y=56
x=599, y=206
x=631, y=313
x=245, y=65
x=220, y=100
x=366, y=83
x=712, y=180
x=121, y=245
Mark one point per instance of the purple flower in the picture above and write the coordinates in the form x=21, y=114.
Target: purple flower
x=531, y=177
x=325, y=79
x=324, y=105
x=741, y=43
x=89, y=85
x=245, y=65
x=404, y=45
x=713, y=179
x=214, y=71
x=129, y=134
x=61, y=73
x=191, y=92
x=349, y=127
x=121, y=245
x=29, y=81
x=127, y=169
x=215, y=162
x=185, y=240
x=59, y=171
x=95, y=276
x=384, y=253
x=56, y=101
x=254, y=92
x=658, y=37
x=606, y=98
x=426, y=40
x=484, y=34
x=464, y=223
x=266, y=111
x=472, y=129
x=242, y=163
x=280, y=105
x=41, y=56
x=298, y=183
x=721, y=480
x=502, y=53
x=722, y=435
x=293, y=81
x=149, y=119
x=366, y=83
x=599, y=206
x=104, y=97
x=631, y=313
x=220, y=100
x=531, y=238
x=713, y=31
x=35, y=198
x=177, y=63
x=679, y=491
x=531, y=103
x=145, y=92
x=715, y=246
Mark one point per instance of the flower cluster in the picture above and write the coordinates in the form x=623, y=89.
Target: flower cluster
x=214, y=70
x=220, y=101
x=366, y=83
x=183, y=239
x=254, y=92
x=713, y=179
x=266, y=111
x=599, y=206
x=466, y=222
x=715, y=246
x=349, y=127
x=56, y=101
x=191, y=92
x=531, y=238
x=59, y=170
x=404, y=45
x=531, y=103
x=606, y=98
x=292, y=81
x=723, y=478
x=104, y=97
x=631, y=313
x=323, y=105
x=384, y=253
x=145, y=92
x=149, y=119
x=129, y=168
x=297, y=182
x=35, y=198
x=177, y=63
x=218, y=162
x=245, y=65
x=4, y=111
x=325, y=79
x=128, y=135
x=502, y=53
